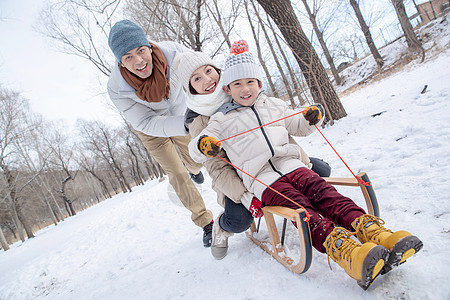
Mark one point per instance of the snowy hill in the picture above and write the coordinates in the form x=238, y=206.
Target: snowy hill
x=142, y=245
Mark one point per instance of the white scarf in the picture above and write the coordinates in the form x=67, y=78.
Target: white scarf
x=208, y=104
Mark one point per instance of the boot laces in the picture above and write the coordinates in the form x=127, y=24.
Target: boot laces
x=365, y=222
x=346, y=245
x=208, y=228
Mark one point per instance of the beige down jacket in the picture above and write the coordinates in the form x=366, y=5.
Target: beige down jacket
x=266, y=152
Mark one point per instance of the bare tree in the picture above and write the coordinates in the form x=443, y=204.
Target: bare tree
x=316, y=77
x=297, y=88
x=262, y=61
x=3, y=241
x=184, y=21
x=62, y=158
x=176, y=20
x=411, y=39
x=312, y=14
x=214, y=11
x=104, y=141
x=366, y=31
x=90, y=165
x=81, y=28
x=275, y=55
x=15, y=130
x=225, y=23
x=346, y=47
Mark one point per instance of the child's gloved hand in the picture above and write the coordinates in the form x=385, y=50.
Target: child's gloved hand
x=313, y=114
x=207, y=145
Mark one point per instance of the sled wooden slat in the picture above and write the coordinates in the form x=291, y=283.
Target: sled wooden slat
x=297, y=216
x=277, y=249
x=368, y=191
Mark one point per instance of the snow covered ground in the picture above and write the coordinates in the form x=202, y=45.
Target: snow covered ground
x=142, y=245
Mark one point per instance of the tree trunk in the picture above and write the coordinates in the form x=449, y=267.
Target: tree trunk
x=25, y=223
x=198, y=18
x=319, y=34
x=218, y=18
x=365, y=29
x=64, y=197
x=53, y=216
x=17, y=223
x=411, y=39
x=258, y=48
x=294, y=80
x=316, y=77
x=135, y=166
x=275, y=57
x=58, y=211
x=44, y=201
x=3, y=241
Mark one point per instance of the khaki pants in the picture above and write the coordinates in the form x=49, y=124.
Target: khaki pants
x=173, y=155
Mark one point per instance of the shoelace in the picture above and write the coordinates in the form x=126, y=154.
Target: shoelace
x=208, y=228
x=373, y=234
x=347, y=243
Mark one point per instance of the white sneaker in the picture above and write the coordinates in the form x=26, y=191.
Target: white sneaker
x=219, y=245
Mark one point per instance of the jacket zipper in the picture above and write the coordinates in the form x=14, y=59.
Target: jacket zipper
x=267, y=140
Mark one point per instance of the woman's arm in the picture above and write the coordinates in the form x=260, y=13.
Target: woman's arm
x=223, y=175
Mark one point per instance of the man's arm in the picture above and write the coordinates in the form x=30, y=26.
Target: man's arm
x=146, y=120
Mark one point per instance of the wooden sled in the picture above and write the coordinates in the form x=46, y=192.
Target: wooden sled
x=297, y=215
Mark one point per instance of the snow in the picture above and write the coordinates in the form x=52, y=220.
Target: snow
x=142, y=245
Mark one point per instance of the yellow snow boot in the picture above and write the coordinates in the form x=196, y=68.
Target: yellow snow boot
x=361, y=262
x=401, y=244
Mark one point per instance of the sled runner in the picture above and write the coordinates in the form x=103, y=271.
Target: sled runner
x=275, y=247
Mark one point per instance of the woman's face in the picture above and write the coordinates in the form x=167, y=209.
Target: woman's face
x=205, y=79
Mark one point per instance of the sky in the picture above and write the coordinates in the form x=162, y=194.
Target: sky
x=143, y=245
x=59, y=86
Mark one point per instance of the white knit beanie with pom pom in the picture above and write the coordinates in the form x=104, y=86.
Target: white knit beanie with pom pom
x=240, y=64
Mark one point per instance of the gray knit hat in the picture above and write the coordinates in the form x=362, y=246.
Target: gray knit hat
x=240, y=64
x=125, y=36
x=189, y=62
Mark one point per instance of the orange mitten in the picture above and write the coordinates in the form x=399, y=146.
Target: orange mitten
x=209, y=146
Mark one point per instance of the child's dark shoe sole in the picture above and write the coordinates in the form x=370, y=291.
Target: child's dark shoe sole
x=404, y=249
x=373, y=265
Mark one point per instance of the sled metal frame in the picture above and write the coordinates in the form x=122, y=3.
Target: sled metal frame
x=297, y=216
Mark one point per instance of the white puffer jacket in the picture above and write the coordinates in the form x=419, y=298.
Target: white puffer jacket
x=162, y=119
x=264, y=153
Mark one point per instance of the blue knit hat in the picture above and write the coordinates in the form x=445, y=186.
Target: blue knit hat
x=125, y=36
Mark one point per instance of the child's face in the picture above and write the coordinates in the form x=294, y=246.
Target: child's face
x=204, y=80
x=244, y=91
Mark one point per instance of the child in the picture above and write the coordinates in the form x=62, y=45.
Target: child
x=200, y=78
x=266, y=154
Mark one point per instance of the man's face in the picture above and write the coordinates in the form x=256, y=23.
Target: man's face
x=204, y=80
x=244, y=91
x=139, y=61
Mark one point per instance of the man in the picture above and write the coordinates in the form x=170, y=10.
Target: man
x=147, y=91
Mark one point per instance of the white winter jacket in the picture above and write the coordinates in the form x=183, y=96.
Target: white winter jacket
x=264, y=153
x=162, y=119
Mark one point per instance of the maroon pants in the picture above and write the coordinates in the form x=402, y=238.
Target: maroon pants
x=325, y=205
